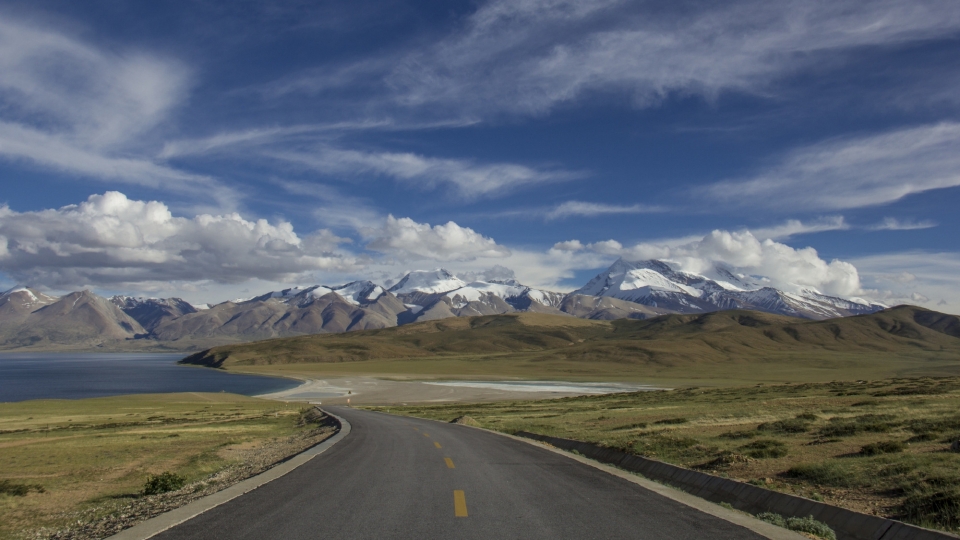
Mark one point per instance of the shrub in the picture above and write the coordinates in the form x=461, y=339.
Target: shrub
x=883, y=447
x=826, y=474
x=807, y=525
x=765, y=448
x=162, y=483
x=738, y=435
x=871, y=423
x=794, y=425
x=939, y=506
x=812, y=526
x=775, y=519
x=672, y=421
x=807, y=416
x=18, y=490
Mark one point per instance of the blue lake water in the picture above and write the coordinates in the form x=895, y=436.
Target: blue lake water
x=86, y=375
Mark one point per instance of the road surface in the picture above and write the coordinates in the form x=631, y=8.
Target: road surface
x=404, y=478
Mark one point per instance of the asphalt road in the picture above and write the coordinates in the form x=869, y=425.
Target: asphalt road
x=404, y=478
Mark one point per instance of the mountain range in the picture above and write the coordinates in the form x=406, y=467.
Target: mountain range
x=635, y=290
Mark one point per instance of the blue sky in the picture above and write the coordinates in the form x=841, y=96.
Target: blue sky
x=212, y=150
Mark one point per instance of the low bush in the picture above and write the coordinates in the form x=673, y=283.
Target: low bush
x=812, y=526
x=869, y=423
x=162, y=483
x=738, y=435
x=18, y=490
x=806, y=525
x=824, y=474
x=932, y=506
x=883, y=447
x=775, y=519
x=765, y=448
x=669, y=421
x=793, y=425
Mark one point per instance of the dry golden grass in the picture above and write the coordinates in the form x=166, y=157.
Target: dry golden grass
x=98, y=452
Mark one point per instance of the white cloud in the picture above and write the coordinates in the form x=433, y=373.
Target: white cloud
x=110, y=240
x=854, y=172
x=786, y=267
x=75, y=108
x=591, y=209
x=794, y=227
x=528, y=56
x=468, y=179
x=893, y=224
x=408, y=239
x=913, y=277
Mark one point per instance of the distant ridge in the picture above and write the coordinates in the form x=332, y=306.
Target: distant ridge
x=895, y=341
x=634, y=290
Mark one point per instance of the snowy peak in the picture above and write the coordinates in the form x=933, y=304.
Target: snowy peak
x=359, y=292
x=27, y=297
x=427, y=282
x=657, y=284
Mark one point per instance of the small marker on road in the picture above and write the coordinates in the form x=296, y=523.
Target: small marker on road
x=449, y=463
x=435, y=443
x=459, y=504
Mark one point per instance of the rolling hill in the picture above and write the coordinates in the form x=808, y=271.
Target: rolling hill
x=739, y=344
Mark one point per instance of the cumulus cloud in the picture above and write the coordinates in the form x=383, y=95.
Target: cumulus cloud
x=786, y=268
x=467, y=178
x=854, y=172
x=110, y=239
x=408, y=239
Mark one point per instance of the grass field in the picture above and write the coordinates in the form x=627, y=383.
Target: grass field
x=716, y=349
x=64, y=461
x=880, y=447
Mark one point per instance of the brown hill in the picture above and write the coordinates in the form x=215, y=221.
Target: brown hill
x=81, y=318
x=727, y=343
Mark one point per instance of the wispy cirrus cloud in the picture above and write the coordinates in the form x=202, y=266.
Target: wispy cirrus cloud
x=894, y=224
x=69, y=106
x=853, y=172
x=529, y=56
x=794, y=227
x=592, y=209
x=468, y=179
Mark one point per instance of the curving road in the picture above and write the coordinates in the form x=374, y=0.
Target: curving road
x=404, y=478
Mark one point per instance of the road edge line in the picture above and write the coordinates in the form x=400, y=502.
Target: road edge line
x=747, y=521
x=167, y=520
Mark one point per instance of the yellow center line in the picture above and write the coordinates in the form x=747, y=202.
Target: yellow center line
x=459, y=504
x=449, y=463
x=435, y=443
x=426, y=434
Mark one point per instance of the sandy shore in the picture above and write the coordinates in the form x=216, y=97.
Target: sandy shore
x=374, y=391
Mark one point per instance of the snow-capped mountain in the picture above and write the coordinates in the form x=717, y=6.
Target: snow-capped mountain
x=627, y=289
x=18, y=302
x=152, y=312
x=427, y=282
x=657, y=284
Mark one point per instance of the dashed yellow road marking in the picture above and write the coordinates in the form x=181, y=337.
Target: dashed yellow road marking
x=449, y=463
x=435, y=443
x=426, y=434
x=459, y=504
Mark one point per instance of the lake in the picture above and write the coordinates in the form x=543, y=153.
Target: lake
x=85, y=375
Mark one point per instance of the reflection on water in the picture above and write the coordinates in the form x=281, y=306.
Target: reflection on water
x=83, y=375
